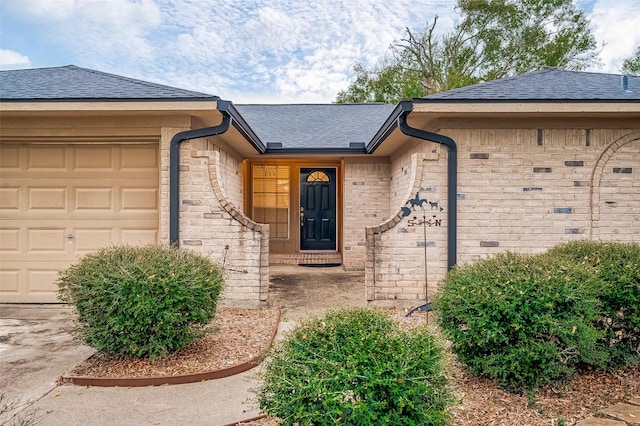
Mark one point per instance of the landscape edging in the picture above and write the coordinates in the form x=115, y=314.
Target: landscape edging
x=173, y=380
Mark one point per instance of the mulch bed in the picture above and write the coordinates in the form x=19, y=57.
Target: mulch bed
x=235, y=336
x=481, y=402
x=244, y=334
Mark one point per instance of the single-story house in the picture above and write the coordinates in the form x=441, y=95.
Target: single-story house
x=403, y=192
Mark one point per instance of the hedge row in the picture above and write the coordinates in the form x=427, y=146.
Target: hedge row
x=527, y=320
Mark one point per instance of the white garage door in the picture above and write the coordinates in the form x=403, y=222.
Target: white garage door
x=58, y=202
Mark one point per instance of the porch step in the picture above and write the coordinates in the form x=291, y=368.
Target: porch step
x=305, y=258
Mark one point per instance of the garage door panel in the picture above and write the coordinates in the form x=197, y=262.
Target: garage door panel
x=9, y=198
x=139, y=199
x=94, y=199
x=10, y=241
x=47, y=198
x=47, y=157
x=41, y=280
x=60, y=202
x=138, y=158
x=10, y=158
x=90, y=239
x=94, y=158
x=50, y=240
x=10, y=279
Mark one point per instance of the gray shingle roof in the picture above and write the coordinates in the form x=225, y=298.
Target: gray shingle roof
x=71, y=83
x=316, y=126
x=548, y=84
x=319, y=127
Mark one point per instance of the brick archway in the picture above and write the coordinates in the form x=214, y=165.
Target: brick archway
x=599, y=170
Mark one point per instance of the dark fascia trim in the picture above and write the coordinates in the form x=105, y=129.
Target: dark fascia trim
x=390, y=124
x=319, y=151
x=242, y=126
x=230, y=116
x=521, y=101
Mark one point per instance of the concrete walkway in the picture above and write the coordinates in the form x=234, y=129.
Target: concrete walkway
x=300, y=291
x=36, y=348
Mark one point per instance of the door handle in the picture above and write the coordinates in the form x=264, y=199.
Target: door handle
x=301, y=217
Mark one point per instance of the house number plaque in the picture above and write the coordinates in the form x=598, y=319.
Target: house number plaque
x=428, y=222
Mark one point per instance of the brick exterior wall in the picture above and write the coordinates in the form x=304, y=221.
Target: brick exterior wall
x=211, y=219
x=535, y=188
x=407, y=253
x=518, y=189
x=366, y=203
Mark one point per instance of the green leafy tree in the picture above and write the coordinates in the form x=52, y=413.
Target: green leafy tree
x=387, y=83
x=494, y=39
x=631, y=66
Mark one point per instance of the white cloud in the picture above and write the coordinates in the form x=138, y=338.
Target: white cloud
x=10, y=60
x=287, y=50
x=42, y=9
x=115, y=30
x=617, y=24
x=257, y=48
x=101, y=32
x=284, y=51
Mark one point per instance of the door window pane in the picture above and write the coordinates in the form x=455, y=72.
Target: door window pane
x=318, y=176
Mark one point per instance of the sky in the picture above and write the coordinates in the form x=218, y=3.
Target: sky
x=248, y=51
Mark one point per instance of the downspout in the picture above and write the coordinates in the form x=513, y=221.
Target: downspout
x=452, y=176
x=174, y=167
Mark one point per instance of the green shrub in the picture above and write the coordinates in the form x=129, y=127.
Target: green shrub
x=355, y=367
x=521, y=320
x=617, y=268
x=141, y=301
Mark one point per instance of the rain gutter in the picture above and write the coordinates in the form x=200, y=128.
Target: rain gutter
x=398, y=119
x=230, y=117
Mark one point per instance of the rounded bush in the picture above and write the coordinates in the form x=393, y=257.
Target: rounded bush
x=617, y=269
x=354, y=366
x=141, y=301
x=521, y=320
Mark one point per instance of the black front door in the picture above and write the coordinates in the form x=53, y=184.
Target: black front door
x=317, y=209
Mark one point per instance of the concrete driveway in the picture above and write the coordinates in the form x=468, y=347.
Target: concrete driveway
x=35, y=349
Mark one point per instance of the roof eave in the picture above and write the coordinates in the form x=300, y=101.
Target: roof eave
x=515, y=107
x=100, y=100
x=389, y=125
x=315, y=151
x=239, y=123
x=527, y=101
x=112, y=106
